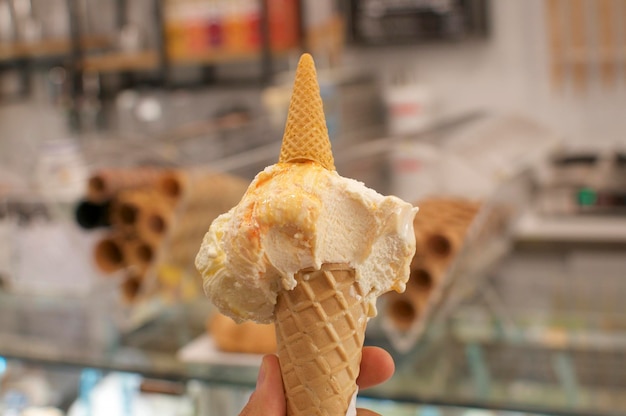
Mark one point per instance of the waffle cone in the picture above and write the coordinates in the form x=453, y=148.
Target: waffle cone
x=306, y=134
x=404, y=309
x=320, y=327
x=108, y=254
x=426, y=276
x=106, y=183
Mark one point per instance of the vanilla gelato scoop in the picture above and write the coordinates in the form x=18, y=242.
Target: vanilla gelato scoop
x=296, y=216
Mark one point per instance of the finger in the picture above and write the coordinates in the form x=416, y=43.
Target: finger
x=268, y=398
x=365, y=412
x=376, y=367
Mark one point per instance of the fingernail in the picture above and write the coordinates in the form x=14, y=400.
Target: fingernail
x=262, y=373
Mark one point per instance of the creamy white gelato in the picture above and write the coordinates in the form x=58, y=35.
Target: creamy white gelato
x=300, y=215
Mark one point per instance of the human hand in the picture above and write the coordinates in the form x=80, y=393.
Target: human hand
x=269, y=398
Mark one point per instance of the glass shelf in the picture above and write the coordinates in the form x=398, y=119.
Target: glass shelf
x=467, y=352
x=150, y=349
x=444, y=369
x=49, y=47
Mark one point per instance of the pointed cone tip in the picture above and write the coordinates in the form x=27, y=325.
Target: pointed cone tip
x=306, y=134
x=306, y=59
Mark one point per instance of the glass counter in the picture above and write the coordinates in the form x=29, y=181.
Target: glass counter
x=481, y=345
x=152, y=351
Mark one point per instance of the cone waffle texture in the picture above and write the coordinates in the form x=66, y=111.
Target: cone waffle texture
x=306, y=134
x=320, y=327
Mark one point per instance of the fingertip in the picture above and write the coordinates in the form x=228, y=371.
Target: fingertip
x=274, y=385
x=366, y=412
x=268, y=398
x=272, y=361
x=377, y=366
x=270, y=370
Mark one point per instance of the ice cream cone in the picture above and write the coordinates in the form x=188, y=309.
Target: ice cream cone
x=196, y=189
x=131, y=287
x=138, y=254
x=451, y=212
x=288, y=217
x=108, y=254
x=106, y=183
x=320, y=328
x=306, y=135
x=426, y=276
x=320, y=324
x=154, y=220
x=403, y=309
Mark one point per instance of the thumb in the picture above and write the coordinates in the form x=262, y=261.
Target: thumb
x=269, y=397
x=365, y=412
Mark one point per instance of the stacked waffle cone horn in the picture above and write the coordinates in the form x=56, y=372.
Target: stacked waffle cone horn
x=106, y=183
x=157, y=219
x=320, y=325
x=440, y=229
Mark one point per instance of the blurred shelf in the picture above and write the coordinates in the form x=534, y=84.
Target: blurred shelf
x=94, y=340
x=571, y=228
x=122, y=61
x=149, y=60
x=157, y=349
x=213, y=57
x=585, y=56
x=49, y=47
x=549, y=338
x=478, y=367
x=221, y=57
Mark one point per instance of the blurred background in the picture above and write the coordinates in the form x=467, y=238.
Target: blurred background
x=126, y=127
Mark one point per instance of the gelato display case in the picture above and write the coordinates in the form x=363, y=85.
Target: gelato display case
x=505, y=329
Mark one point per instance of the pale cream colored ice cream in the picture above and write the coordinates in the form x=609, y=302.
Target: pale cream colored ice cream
x=300, y=215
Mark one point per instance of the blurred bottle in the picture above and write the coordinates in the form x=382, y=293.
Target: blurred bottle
x=28, y=29
x=409, y=104
x=415, y=170
x=7, y=29
x=60, y=172
x=175, y=28
x=234, y=25
x=214, y=28
x=283, y=24
x=54, y=18
x=252, y=18
x=231, y=26
x=197, y=15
